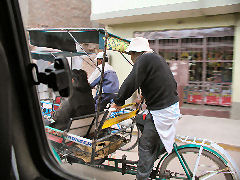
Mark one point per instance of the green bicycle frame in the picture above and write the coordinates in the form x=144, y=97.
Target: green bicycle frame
x=56, y=155
x=176, y=148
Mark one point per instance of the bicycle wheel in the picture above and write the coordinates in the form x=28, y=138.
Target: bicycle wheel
x=171, y=167
x=132, y=139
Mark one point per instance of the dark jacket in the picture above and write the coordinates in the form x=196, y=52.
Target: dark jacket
x=152, y=74
x=79, y=104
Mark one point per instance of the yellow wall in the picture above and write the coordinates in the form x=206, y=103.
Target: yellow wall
x=121, y=66
x=236, y=64
x=127, y=31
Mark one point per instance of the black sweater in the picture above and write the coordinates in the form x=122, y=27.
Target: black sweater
x=152, y=74
x=80, y=103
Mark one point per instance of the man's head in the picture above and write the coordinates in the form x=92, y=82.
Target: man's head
x=100, y=58
x=79, y=78
x=137, y=47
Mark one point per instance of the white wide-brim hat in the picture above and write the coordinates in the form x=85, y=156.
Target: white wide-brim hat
x=100, y=56
x=139, y=44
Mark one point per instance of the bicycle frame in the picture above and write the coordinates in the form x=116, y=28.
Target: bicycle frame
x=184, y=164
x=130, y=167
x=209, y=146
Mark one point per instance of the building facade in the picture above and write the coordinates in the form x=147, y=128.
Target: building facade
x=57, y=14
x=200, y=37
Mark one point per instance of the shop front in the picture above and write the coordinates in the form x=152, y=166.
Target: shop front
x=209, y=55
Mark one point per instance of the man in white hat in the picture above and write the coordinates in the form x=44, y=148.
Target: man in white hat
x=110, y=82
x=152, y=74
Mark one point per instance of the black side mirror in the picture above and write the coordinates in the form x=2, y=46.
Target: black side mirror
x=56, y=76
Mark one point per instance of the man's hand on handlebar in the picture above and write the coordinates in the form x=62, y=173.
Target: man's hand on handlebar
x=138, y=100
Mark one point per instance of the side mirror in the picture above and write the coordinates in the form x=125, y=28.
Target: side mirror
x=56, y=76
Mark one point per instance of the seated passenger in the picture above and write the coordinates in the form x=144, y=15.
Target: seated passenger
x=110, y=84
x=80, y=103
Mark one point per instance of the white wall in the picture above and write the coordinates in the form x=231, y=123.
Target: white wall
x=130, y=11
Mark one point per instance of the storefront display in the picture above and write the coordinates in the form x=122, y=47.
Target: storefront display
x=209, y=53
x=220, y=96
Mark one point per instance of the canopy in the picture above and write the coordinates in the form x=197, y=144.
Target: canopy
x=50, y=55
x=62, y=39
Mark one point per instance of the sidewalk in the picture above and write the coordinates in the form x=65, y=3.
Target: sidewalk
x=220, y=130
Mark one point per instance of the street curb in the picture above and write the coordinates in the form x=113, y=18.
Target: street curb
x=229, y=147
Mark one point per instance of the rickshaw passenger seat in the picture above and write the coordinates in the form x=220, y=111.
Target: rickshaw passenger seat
x=83, y=125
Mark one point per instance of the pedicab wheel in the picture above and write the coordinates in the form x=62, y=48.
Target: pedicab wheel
x=209, y=163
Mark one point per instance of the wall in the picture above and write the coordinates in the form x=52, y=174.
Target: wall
x=235, y=111
x=119, y=12
x=126, y=4
x=60, y=13
x=127, y=31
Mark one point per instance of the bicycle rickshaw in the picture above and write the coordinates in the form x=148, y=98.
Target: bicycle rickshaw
x=90, y=139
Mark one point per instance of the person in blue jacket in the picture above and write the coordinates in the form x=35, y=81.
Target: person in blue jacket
x=110, y=82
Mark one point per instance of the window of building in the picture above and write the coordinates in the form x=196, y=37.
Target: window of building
x=209, y=54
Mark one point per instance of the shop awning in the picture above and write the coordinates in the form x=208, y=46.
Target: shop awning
x=187, y=33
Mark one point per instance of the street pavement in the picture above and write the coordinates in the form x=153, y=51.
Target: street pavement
x=219, y=130
x=225, y=132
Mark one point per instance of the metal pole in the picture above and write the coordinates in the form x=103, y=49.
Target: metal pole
x=126, y=58
x=204, y=66
x=99, y=101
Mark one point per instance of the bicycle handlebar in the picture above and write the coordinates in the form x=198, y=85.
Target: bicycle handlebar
x=124, y=106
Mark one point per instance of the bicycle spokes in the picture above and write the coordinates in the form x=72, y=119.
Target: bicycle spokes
x=203, y=164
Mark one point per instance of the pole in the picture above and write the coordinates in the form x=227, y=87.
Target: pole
x=99, y=101
x=126, y=58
